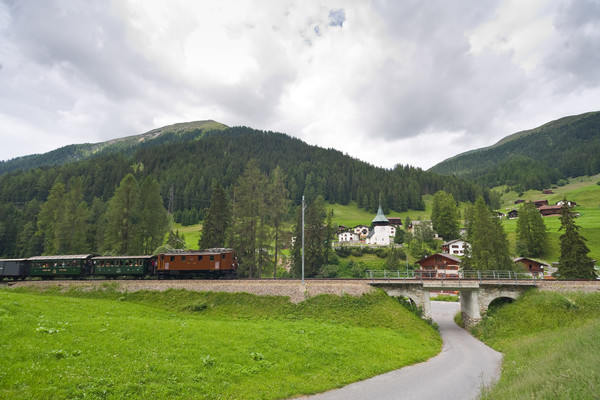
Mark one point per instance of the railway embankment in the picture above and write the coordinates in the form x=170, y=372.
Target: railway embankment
x=294, y=289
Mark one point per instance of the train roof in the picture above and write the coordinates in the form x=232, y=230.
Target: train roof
x=12, y=259
x=64, y=257
x=121, y=257
x=198, y=252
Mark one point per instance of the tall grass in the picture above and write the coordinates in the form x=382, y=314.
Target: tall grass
x=178, y=344
x=550, y=345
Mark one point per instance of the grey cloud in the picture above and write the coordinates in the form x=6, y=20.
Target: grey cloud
x=575, y=59
x=337, y=17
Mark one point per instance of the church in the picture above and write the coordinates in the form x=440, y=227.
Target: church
x=383, y=231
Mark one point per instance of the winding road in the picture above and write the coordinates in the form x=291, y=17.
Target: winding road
x=461, y=369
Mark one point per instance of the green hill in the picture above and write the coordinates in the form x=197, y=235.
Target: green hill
x=533, y=159
x=79, y=152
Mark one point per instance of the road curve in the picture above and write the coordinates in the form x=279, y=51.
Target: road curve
x=461, y=369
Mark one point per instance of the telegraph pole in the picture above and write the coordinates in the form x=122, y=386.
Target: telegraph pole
x=303, y=240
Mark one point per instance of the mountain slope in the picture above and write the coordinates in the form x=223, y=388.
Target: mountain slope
x=535, y=158
x=126, y=145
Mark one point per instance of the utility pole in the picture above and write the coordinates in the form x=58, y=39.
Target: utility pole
x=303, y=240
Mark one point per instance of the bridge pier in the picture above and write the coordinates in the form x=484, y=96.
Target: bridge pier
x=475, y=296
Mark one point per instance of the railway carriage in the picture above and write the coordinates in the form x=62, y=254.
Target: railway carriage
x=50, y=267
x=16, y=268
x=113, y=266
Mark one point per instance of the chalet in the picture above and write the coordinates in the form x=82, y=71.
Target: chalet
x=548, y=211
x=519, y=201
x=499, y=214
x=348, y=237
x=341, y=229
x=540, y=203
x=439, y=265
x=383, y=232
x=361, y=230
x=396, y=221
x=548, y=191
x=455, y=247
x=533, y=267
x=512, y=214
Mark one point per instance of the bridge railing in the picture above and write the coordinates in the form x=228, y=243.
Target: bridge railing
x=420, y=275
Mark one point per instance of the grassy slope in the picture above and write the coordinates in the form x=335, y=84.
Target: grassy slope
x=178, y=344
x=586, y=193
x=550, y=345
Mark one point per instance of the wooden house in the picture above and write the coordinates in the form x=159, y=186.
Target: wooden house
x=540, y=203
x=512, y=214
x=547, y=211
x=534, y=267
x=455, y=247
x=439, y=265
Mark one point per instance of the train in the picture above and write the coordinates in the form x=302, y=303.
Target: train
x=209, y=263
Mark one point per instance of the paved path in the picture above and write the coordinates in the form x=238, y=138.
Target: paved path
x=458, y=372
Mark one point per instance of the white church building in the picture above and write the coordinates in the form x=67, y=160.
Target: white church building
x=383, y=231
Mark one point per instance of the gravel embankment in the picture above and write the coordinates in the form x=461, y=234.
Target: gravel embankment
x=289, y=288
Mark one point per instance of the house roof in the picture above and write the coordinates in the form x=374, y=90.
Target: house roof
x=519, y=259
x=452, y=241
x=380, y=217
x=448, y=256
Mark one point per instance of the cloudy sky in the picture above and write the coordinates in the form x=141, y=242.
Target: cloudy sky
x=389, y=82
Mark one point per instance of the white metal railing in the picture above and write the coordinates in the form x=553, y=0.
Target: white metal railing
x=419, y=275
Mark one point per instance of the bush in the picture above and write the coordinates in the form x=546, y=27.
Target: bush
x=328, y=271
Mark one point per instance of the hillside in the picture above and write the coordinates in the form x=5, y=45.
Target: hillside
x=79, y=152
x=186, y=160
x=533, y=159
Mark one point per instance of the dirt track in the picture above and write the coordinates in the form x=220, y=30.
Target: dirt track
x=289, y=288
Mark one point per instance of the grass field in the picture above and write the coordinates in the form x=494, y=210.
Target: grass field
x=550, y=345
x=110, y=345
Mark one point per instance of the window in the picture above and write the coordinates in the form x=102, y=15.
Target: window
x=199, y=258
x=212, y=258
x=223, y=256
x=172, y=258
x=182, y=258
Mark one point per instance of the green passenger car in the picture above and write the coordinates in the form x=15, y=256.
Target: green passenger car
x=113, y=266
x=68, y=266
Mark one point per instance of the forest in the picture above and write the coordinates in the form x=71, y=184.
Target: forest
x=534, y=159
x=187, y=166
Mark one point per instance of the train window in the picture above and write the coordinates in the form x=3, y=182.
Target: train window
x=223, y=256
x=182, y=258
x=199, y=258
x=172, y=258
x=212, y=258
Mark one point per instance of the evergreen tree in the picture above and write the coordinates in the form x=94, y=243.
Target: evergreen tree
x=249, y=206
x=278, y=209
x=51, y=213
x=574, y=262
x=532, y=236
x=154, y=219
x=489, y=246
x=444, y=216
x=399, y=236
x=217, y=220
x=122, y=216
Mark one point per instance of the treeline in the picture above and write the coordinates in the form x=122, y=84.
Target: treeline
x=534, y=159
x=187, y=166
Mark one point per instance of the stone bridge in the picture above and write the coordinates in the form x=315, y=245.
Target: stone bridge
x=475, y=296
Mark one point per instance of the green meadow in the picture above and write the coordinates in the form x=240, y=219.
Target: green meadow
x=550, y=345
x=104, y=344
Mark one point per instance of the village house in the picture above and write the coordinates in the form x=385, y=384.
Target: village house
x=455, y=247
x=512, y=214
x=440, y=265
x=540, y=203
x=533, y=267
x=348, y=237
x=361, y=230
x=383, y=232
x=570, y=203
x=548, y=211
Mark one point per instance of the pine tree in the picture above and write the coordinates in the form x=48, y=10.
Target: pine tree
x=489, y=246
x=217, y=220
x=278, y=209
x=51, y=213
x=315, y=239
x=532, y=236
x=445, y=216
x=122, y=217
x=154, y=219
x=574, y=262
x=249, y=206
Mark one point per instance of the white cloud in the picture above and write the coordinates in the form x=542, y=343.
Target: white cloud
x=387, y=82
